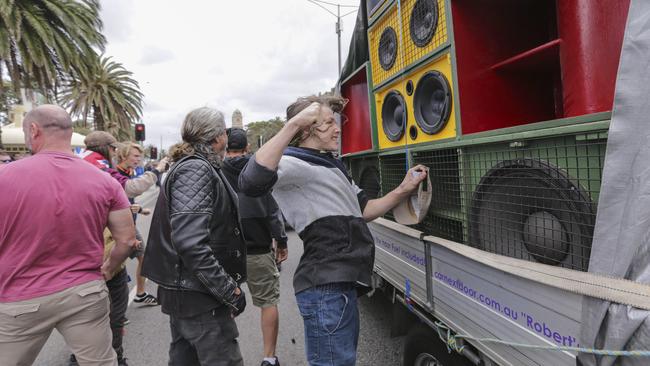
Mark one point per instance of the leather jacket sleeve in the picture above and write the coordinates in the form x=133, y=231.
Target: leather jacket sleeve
x=192, y=198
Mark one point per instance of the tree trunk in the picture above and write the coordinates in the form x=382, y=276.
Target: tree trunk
x=98, y=119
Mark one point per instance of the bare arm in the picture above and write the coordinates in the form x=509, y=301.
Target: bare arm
x=380, y=206
x=120, y=223
x=270, y=153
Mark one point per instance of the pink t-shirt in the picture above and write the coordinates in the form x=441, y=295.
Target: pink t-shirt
x=53, y=210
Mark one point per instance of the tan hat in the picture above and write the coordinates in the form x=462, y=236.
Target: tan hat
x=100, y=138
x=412, y=210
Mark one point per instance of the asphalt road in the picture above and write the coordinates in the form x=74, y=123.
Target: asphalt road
x=147, y=336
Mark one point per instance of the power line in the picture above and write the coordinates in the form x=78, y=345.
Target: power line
x=333, y=4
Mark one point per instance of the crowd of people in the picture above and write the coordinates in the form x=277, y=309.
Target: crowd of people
x=217, y=223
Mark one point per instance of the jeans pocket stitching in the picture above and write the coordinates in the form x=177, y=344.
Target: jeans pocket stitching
x=338, y=324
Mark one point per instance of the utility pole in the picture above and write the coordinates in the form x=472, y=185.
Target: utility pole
x=338, y=32
x=339, y=27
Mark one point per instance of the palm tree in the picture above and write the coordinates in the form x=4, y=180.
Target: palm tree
x=106, y=92
x=40, y=40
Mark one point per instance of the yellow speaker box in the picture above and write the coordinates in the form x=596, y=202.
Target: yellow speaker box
x=384, y=39
x=424, y=28
x=417, y=108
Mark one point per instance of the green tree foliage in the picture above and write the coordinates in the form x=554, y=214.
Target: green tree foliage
x=266, y=129
x=41, y=40
x=105, y=92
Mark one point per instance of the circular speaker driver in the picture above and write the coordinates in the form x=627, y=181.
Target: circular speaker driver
x=387, y=50
x=393, y=115
x=530, y=209
x=424, y=21
x=432, y=102
x=369, y=182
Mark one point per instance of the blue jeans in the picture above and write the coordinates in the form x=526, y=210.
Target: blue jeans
x=331, y=319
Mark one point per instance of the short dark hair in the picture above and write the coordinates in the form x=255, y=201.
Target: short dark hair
x=334, y=102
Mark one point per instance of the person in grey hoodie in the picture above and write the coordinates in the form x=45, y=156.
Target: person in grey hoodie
x=329, y=212
x=262, y=224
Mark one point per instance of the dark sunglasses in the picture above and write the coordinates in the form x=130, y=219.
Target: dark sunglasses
x=5, y=161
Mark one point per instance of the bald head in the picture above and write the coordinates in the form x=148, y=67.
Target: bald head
x=47, y=127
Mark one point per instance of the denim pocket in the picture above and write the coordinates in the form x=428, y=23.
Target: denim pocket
x=309, y=313
x=334, y=306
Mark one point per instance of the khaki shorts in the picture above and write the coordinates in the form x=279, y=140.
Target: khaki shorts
x=263, y=279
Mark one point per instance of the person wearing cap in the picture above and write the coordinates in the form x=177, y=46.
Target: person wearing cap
x=101, y=148
x=262, y=224
x=329, y=213
x=52, y=264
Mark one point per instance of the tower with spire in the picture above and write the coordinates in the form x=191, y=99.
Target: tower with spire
x=237, y=119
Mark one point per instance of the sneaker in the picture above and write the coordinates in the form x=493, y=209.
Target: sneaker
x=125, y=321
x=267, y=363
x=146, y=299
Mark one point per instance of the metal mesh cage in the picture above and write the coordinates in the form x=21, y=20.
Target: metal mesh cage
x=365, y=173
x=535, y=199
x=424, y=28
x=388, y=19
x=444, y=218
x=392, y=171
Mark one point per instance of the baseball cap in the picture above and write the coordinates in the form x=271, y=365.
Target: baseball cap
x=236, y=139
x=100, y=138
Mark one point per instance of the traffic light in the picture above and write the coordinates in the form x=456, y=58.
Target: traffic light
x=139, y=132
x=153, y=154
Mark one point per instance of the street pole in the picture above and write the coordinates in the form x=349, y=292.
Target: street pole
x=338, y=32
x=339, y=27
x=160, y=144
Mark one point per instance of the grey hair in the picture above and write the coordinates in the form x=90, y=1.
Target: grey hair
x=200, y=128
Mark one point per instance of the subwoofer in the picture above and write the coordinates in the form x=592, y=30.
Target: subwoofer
x=424, y=28
x=535, y=199
x=386, y=55
x=365, y=173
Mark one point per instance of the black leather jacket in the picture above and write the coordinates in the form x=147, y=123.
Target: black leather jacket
x=195, y=242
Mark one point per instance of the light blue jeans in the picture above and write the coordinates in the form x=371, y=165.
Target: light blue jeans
x=331, y=319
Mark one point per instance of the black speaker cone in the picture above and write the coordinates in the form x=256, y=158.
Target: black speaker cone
x=424, y=21
x=369, y=182
x=393, y=115
x=432, y=102
x=387, y=50
x=530, y=209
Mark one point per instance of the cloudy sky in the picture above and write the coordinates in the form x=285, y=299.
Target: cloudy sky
x=253, y=55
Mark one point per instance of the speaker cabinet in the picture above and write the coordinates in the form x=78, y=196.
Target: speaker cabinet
x=384, y=38
x=424, y=28
x=535, y=199
x=431, y=108
x=365, y=173
x=374, y=9
x=356, y=131
x=419, y=107
x=525, y=61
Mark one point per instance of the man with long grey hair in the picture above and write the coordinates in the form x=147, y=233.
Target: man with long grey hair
x=196, y=253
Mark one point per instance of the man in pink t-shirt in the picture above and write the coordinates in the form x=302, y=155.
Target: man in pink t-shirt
x=53, y=212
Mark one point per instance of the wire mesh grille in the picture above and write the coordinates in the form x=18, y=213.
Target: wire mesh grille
x=388, y=19
x=365, y=173
x=418, y=17
x=533, y=199
x=444, y=218
x=392, y=171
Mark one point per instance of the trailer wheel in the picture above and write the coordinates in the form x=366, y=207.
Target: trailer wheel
x=422, y=347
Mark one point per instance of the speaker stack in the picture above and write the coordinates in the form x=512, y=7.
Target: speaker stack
x=521, y=176
x=412, y=74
